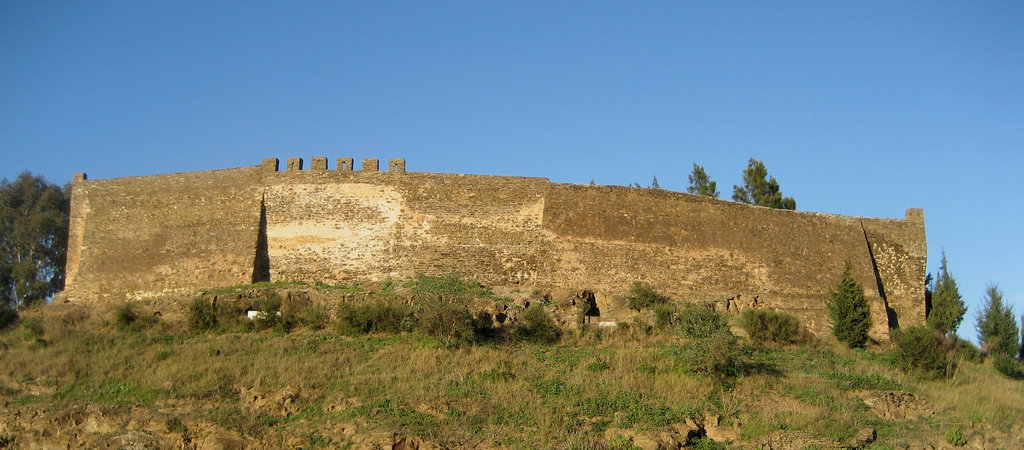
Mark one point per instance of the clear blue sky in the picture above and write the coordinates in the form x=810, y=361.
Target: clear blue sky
x=857, y=108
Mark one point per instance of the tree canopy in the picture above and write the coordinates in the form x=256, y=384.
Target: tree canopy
x=701, y=184
x=33, y=240
x=760, y=189
x=947, y=306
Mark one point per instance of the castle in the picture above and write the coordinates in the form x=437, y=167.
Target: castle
x=157, y=236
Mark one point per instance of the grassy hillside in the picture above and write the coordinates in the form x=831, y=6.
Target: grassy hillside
x=70, y=377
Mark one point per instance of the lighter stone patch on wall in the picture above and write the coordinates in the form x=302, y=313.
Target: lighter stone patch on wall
x=318, y=232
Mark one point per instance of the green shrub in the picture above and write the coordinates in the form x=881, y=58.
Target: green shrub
x=642, y=295
x=921, y=350
x=849, y=310
x=124, y=316
x=441, y=308
x=535, y=325
x=451, y=324
x=206, y=315
x=764, y=326
x=964, y=349
x=664, y=316
x=1006, y=365
x=33, y=327
x=314, y=317
x=379, y=316
x=127, y=318
x=202, y=315
x=700, y=322
x=483, y=326
x=717, y=355
x=955, y=437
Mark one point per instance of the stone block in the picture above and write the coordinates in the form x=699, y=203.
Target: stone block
x=318, y=163
x=345, y=164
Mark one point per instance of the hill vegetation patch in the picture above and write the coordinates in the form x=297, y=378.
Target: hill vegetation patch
x=373, y=375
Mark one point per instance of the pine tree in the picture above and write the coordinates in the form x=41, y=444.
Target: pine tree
x=654, y=184
x=997, y=327
x=948, y=307
x=758, y=189
x=849, y=310
x=701, y=184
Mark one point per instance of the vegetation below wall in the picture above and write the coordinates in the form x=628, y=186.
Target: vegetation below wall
x=676, y=376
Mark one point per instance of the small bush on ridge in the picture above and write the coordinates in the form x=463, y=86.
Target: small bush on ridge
x=921, y=350
x=664, y=316
x=716, y=355
x=535, y=325
x=202, y=315
x=763, y=326
x=314, y=317
x=378, y=316
x=483, y=326
x=452, y=324
x=33, y=327
x=699, y=322
x=441, y=309
x=955, y=437
x=1008, y=366
x=128, y=319
x=642, y=296
x=206, y=315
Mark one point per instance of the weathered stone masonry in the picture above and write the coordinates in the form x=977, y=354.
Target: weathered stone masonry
x=153, y=236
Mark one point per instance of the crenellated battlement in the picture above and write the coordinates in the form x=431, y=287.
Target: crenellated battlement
x=319, y=163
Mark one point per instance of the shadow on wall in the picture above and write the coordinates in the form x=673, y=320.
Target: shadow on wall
x=261, y=266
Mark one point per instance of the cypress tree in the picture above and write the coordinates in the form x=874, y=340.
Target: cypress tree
x=948, y=307
x=849, y=310
x=997, y=327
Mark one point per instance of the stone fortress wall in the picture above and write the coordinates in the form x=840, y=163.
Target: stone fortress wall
x=161, y=235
